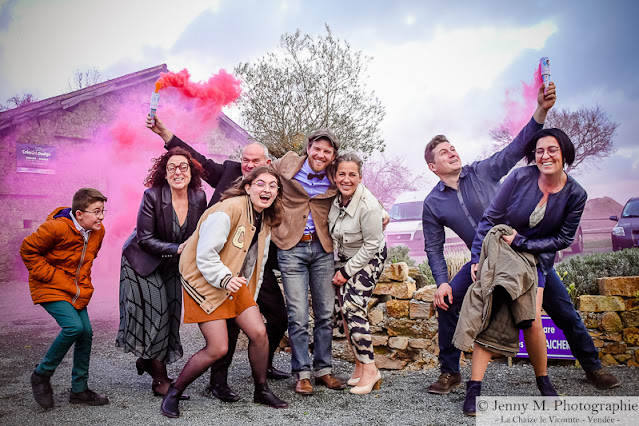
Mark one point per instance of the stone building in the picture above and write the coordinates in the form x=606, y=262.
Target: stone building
x=38, y=141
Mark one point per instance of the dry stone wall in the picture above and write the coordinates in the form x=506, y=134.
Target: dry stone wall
x=612, y=319
x=404, y=324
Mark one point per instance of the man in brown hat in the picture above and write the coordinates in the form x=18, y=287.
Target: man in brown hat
x=305, y=255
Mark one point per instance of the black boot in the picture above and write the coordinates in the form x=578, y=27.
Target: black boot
x=545, y=387
x=263, y=395
x=42, y=391
x=170, y=403
x=219, y=387
x=275, y=374
x=473, y=390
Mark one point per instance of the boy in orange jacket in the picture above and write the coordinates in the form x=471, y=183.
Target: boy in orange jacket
x=59, y=256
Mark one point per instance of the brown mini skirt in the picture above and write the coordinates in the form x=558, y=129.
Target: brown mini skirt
x=234, y=305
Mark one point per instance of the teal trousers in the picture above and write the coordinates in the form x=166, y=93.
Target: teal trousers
x=76, y=328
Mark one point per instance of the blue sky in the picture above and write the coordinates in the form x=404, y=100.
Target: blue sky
x=438, y=67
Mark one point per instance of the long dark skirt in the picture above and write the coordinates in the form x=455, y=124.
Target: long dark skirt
x=150, y=311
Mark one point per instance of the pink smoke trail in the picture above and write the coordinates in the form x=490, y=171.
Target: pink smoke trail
x=520, y=104
x=124, y=149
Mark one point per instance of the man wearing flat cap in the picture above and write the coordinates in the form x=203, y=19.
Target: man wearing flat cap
x=305, y=255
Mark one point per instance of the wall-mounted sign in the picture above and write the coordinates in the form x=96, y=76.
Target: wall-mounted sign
x=35, y=159
x=556, y=342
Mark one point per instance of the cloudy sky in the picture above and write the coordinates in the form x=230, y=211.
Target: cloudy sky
x=438, y=67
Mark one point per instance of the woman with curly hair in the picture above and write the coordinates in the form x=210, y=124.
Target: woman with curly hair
x=150, y=290
x=221, y=268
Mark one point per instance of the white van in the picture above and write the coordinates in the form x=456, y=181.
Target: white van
x=405, y=226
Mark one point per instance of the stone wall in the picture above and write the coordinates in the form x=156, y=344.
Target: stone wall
x=612, y=319
x=403, y=322
x=404, y=325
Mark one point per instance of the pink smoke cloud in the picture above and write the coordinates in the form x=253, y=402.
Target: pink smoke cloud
x=124, y=149
x=521, y=102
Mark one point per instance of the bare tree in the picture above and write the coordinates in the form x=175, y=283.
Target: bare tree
x=590, y=129
x=307, y=84
x=82, y=79
x=18, y=101
x=387, y=177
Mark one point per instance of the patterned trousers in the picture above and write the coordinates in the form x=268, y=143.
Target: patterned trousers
x=354, y=296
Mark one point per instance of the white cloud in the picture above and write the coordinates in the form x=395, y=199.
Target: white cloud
x=447, y=85
x=49, y=40
x=455, y=62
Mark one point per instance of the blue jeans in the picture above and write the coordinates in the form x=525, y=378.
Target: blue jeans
x=307, y=264
x=557, y=304
x=76, y=328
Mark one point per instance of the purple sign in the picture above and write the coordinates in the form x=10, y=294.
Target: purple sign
x=556, y=342
x=35, y=159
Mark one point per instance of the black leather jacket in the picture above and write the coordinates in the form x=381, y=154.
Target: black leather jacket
x=513, y=206
x=152, y=239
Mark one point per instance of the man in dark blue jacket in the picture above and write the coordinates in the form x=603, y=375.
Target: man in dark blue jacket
x=270, y=300
x=458, y=202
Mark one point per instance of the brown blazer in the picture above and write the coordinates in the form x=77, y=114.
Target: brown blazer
x=297, y=205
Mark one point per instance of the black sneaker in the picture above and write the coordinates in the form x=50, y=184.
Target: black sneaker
x=42, y=392
x=87, y=397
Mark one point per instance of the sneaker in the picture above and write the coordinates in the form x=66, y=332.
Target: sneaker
x=445, y=383
x=87, y=397
x=602, y=379
x=42, y=391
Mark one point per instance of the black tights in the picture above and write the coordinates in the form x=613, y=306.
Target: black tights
x=215, y=335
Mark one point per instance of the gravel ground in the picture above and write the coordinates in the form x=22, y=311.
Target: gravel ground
x=26, y=331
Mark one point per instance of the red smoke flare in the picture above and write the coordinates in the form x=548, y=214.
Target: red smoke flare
x=221, y=89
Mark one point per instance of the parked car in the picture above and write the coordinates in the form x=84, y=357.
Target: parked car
x=405, y=226
x=577, y=246
x=625, y=234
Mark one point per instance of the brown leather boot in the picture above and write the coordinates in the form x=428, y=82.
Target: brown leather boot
x=445, y=383
x=304, y=387
x=330, y=382
x=602, y=379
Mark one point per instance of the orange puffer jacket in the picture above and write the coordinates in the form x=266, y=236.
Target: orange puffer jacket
x=59, y=260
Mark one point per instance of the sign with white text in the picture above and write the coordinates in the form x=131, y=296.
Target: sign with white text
x=35, y=159
x=556, y=342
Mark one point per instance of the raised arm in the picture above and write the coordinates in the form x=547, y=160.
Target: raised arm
x=214, y=170
x=499, y=164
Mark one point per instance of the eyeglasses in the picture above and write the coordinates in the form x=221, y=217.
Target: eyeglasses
x=184, y=167
x=98, y=213
x=262, y=185
x=551, y=150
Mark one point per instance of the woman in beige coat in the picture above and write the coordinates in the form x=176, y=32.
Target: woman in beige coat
x=355, y=222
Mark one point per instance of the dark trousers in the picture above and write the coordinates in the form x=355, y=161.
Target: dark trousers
x=271, y=304
x=557, y=304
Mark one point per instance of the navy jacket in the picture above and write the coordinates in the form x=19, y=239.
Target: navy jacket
x=516, y=200
x=220, y=176
x=462, y=209
x=152, y=239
